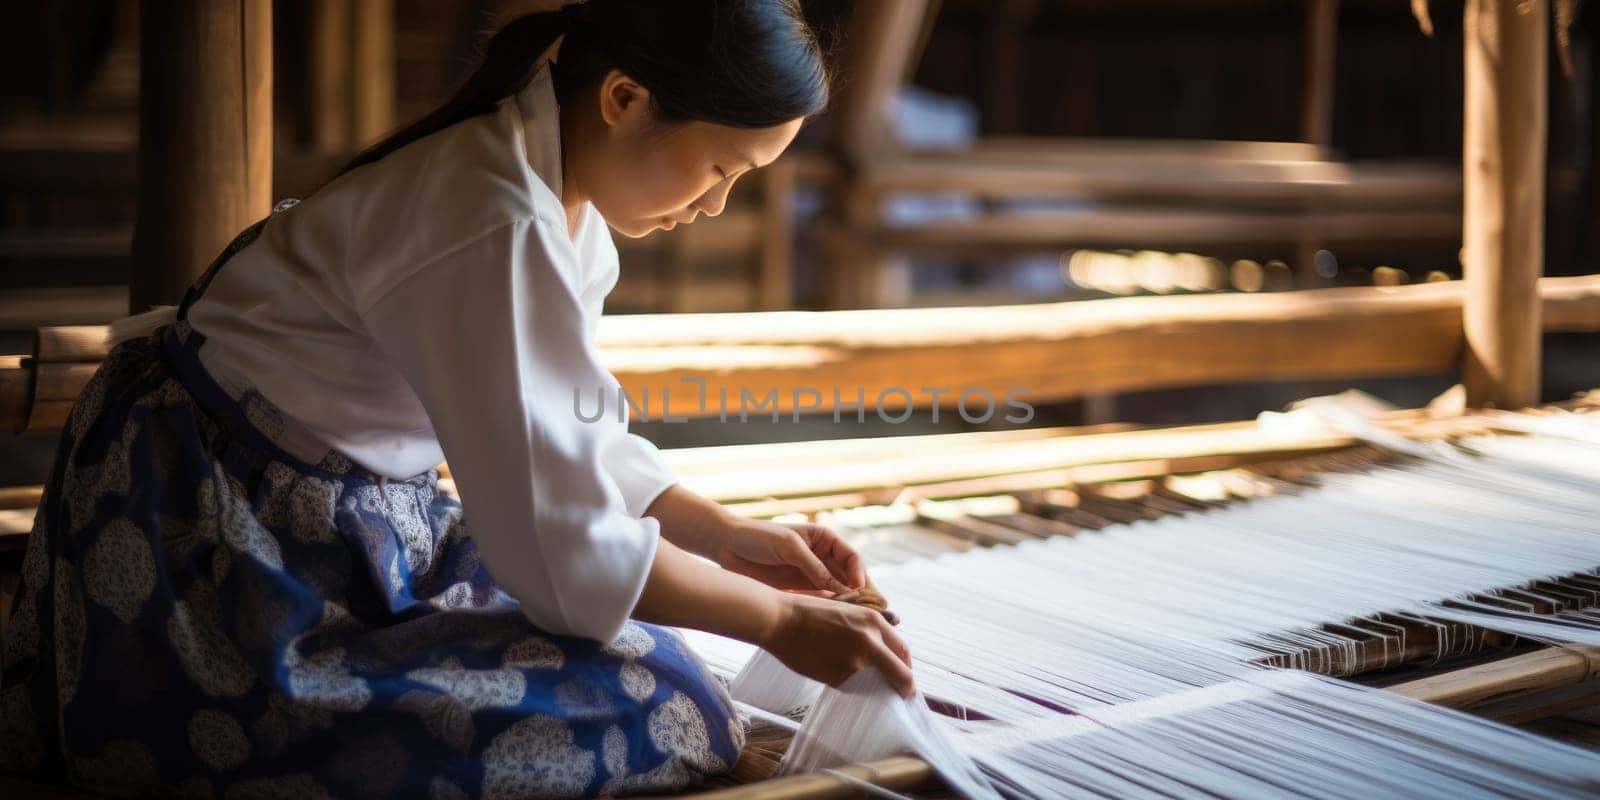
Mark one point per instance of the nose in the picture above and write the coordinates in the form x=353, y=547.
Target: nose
x=714, y=201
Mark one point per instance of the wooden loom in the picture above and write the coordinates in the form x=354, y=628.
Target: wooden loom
x=955, y=498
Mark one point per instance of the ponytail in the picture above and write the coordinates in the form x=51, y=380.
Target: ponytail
x=508, y=64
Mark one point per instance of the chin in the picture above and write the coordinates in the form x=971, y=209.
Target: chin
x=636, y=230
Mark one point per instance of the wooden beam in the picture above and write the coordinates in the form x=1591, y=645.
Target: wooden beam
x=13, y=497
x=1055, y=350
x=205, y=131
x=1268, y=182
x=1506, y=54
x=1505, y=678
x=1129, y=228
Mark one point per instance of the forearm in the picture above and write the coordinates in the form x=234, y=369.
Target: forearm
x=690, y=521
x=687, y=592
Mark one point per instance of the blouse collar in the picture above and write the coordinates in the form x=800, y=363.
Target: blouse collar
x=541, y=124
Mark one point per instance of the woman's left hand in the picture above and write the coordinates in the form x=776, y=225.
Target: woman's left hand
x=800, y=556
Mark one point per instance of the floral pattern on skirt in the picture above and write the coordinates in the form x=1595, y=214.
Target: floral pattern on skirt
x=202, y=614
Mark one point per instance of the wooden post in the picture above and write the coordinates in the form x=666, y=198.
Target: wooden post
x=880, y=40
x=775, y=283
x=1316, y=118
x=328, y=76
x=372, y=75
x=1322, y=44
x=205, y=137
x=1506, y=60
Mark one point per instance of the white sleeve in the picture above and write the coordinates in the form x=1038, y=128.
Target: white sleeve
x=493, y=339
x=633, y=461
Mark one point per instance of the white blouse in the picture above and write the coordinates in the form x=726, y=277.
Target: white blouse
x=432, y=305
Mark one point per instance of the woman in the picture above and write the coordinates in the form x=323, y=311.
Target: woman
x=243, y=581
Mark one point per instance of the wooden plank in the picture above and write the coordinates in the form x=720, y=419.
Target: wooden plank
x=71, y=343
x=14, y=497
x=1506, y=50
x=1054, y=458
x=205, y=159
x=15, y=523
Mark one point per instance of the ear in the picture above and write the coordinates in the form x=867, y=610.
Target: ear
x=621, y=97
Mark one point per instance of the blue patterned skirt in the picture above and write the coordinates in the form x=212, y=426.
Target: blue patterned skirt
x=202, y=614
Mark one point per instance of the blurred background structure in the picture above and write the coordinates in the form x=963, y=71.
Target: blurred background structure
x=979, y=153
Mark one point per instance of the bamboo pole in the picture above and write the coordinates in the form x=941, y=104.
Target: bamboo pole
x=205, y=137
x=1506, y=51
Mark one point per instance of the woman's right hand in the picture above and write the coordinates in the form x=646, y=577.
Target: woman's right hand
x=828, y=641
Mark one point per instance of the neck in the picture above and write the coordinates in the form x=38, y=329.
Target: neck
x=572, y=195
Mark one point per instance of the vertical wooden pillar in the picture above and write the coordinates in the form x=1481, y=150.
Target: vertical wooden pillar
x=372, y=76
x=775, y=286
x=1322, y=44
x=881, y=39
x=1506, y=61
x=351, y=73
x=205, y=137
x=328, y=77
x=1316, y=113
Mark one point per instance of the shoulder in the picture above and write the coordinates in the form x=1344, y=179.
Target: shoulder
x=438, y=195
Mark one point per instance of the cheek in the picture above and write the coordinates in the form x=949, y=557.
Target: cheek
x=654, y=184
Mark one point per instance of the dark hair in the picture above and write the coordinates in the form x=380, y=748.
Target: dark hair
x=740, y=63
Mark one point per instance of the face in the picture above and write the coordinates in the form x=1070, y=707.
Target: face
x=644, y=175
